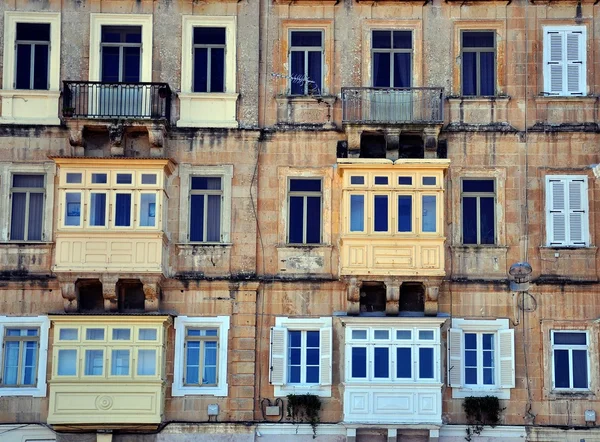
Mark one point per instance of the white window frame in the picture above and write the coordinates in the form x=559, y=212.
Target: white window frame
x=305, y=50
x=585, y=203
x=570, y=347
x=43, y=324
x=456, y=354
x=97, y=20
x=547, y=30
x=181, y=324
x=186, y=172
x=7, y=170
x=45, y=100
x=282, y=326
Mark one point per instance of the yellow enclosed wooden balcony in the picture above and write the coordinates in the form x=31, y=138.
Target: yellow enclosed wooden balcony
x=111, y=214
x=107, y=372
x=393, y=217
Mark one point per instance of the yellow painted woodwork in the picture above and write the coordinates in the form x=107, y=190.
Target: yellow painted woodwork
x=107, y=389
x=370, y=250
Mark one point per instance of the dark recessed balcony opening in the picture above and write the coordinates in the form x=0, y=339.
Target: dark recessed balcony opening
x=131, y=296
x=411, y=146
x=372, y=145
x=89, y=295
x=373, y=297
x=412, y=297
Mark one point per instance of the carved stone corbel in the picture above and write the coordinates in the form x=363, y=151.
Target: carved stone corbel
x=392, y=292
x=431, y=299
x=67, y=290
x=353, y=297
x=430, y=141
x=109, y=292
x=115, y=135
x=152, y=288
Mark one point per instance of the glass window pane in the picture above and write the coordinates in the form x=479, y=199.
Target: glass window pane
x=470, y=341
x=217, y=70
x=40, y=67
x=487, y=220
x=570, y=338
x=426, y=335
x=488, y=341
x=477, y=39
x=405, y=213
x=99, y=178
x=123, y=209
x=296, y=219
x=11, y=363
x=359, y=362
x=110, y=64
x=206, y=183
x=148, y=210
x=94, y=334
x=405, y=180
x=469, y=220
x=94, y=361
x=402, y=39
x=23, y=73
x=35, y=218
x=74, y=178
x=124, y=178
x=382, y=334
x=312, y=375
x=403, y=334
x=561, y=369
x=119, y=363
x=17, y=225
x=33, y=31
x=381, y=180
x=487, y=73
x=403, y=362
x=382, y=39
x=357, y=180
x=470, y=376
x=297, y=70
x=426, y=363
x=197, y=218
x=480, y=186
x=429, y=181
x=72, y=209
x=295, y=338
x=488, y=376
x=580, y=371
x=312, y=356
x=381, y=213
x=402, y=72
x=67, y=362
x=297, y=185
x=132, y=66
x=146, y=364
x=97, y=209
x=429, y=215
x=381, y=69
x=200, y=82
x=312, y=339
x=121, y=334
x=313, y=219
x=307, y=38
x=68, y=334
x=149, y=178
x=28, y=374
x=213, y=221
x=209, y=36
x=469, y=73
x=294, y=374
x=359, y=334
x=147, y=334
x=382, y=362
x=315, y=72
x=357, y=213
x=31, y=181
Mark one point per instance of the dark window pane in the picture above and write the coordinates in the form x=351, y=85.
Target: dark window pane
x=478, y=39
x=469, y=220
x=295, y=356
x=209, y=36
x=359, y=362
x=488, y=376
x=305, y=185
x=402, y=70
x=405, y=180
x=206, y=183
x=403, y=363
x=17, y=225
x=131, y=65
x=429, y=181
x=381, y=180
x=470, y=376
x=213, y=219
x=312, y=356
x=34, y=181
x=487, y=74
x=296, y=219
x=124, y=178
x=405, y=213
x=295, y=338
x=313, y=220
x=487, y=220
x=217, y=70
x=121, y=34
x=36, y=212
x=40, y=67
x=381, y=70
x=97, y=209
x=402, y=39
x=382, y=362
x=123, y=209
x=23, y=80
x=573, y=338
x=381, y=213
x=580, y=373
x=357, y=213
x=382, y=39
x=294, y=374
x=312, y=375
x=33, y=31
x=470, y=340
x=561, y=368
x=307, y=38
x=110, y=64
x=426, y=363
x=358, y=180
x=196, y=217
x=314, y=72
x=297, y=68
x=110, y=34
x=487, y=342
x=469, y=73
x=470, y=358
x=478, y=185
x=312, y=339
x=200, y=70
x=99, y=178
x=133, y=34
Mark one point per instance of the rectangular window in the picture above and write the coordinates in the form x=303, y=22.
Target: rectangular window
x=20, y=356
x=304, y=211
x=381, y=212
x=392, y=58
x=206, y=196
x=303, y=357
x=121, y=50
x=32, y=56
x=479, y=359
x=478, y=63
x=94, y=363
x=478, y=211
x=119, y=363
x=429, y=213
x=405, y=213
x=306, y=62
x=565, y=60
x=570, y=360
x=27, y=209
x=72, y=208
x=567, y=211
x=146, y=363
x=209, y=59
x=357, y=213
x=67, y=362
x=201, y=356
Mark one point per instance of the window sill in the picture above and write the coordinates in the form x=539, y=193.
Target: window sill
x=179, y=391
x=207, y=109
x=33, y=392
x=317, y=390
x=304, y=246
x=193, y=245
x=566, y=98
x=476, y=98
x=461, y=393
x=38, y=107
x=562, y=395
x=26, y=243
x=304, y=259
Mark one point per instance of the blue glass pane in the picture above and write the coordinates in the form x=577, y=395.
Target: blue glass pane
x=312, y=375
x=313, y=219
x=123, y=209
x=11, y=363
x=307, y=38
x=294, y=374
x=192, y=375
x=40, y=67
x=294, y=338
x=210, y=375
x=97, y=209
x=429, y=181
x=359, y=362
x=131, y=65
x=487, y=74
x=99, y=178
x=478, y=39
x=312, y=356
x=426, y=363
x=487, y=220
x=382, y=362
x=197, y=218
x=567, y=338
x=200, y=82
x=405, y=213
x=357, y=180
x=429, y=215
x=488, y=376
x=124, y=178
x=357, y=213
x=470, y=340
x=471, y=376
x=470, y=358
x=381, y=70
x=312, y=339
x=296, y=219
x=488, y=358
x=469, y=220
x=488, y=341
x=381, y=213
x=217, y=70
x=298, y=185
x=469, y=73
x=67, y=362
x=33, y=31
x=403, y=363
x=23, y=74
x=295, y=356
x=478, y=185
x=110, y=64
x=381, y=180
x=209, y=36
x=561, y=369
x=402, y=70
x=120, y=334
x=72, y=209
x=580, y=372
x=382, y=39
x=297, y=70
x=315, y=72
x=403, y=334
x=402, y=39
x=206, y=183
x=405, y=180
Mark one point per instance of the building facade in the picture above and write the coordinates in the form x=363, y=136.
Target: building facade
x=206, y=207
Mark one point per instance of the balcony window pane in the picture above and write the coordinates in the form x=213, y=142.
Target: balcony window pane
x=561, y=369
x=147, y=334
x=148, y=210
x=67, y=363
x=131, y=64
x=121, y=334
x=68, y=334
x=94, y=361
x=94, y=334
x=381, y=213
x=426, y=363
x=429, y=214
x=403, y=363
x=382, y=362
x=149, y=178
x=146, y=364
x=123, y=210
x=402, y=70
x=381, y=69
x=97, y=209
x=357, y=213
x=99, y=178
x=405, y=213
x=110, y=64
x=23, y=74
x=74, y=178
x=580, y=372
x=72, y=209
x=359, y=362
x=120, y=363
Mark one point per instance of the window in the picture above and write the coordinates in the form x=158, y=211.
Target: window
x=301, y=356
x=304, y=211
x=567, y=211
x=201, y=356
x=32, y=55
x=209, y=59
x=565, y=60
x=478, y=63
x=206, y=196
x=570, y=360
x=481, y=358
x=121, y=48
x=306, y=62
x=23, y=356
x=379, y=354
x=392, y=58
x=478, y=215
x=27, y=208
x=205, y=215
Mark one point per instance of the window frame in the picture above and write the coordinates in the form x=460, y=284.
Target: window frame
x=205, y=193
x=479, y=51
x=570, y=348
x=209, y=47
x=306, y=50
x=549, y=224
x=478, y=196
x=392, y=51
x=304, y=195
x=201, y=359
x=27, y=191
x=583, y=54
x=33, y=45
x=42, y=323
x=121, y=46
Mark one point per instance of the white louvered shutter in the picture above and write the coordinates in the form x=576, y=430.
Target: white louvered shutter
x=577, y=211
x=325, y=335
x=567, y=211
x=455, y=358
x=506, y=339
x=565, y=61
x=556, y=220
x=575, y=45
x=553, y=48
x=278, y=353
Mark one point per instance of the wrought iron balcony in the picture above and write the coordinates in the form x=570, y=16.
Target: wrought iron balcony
x=372, y=105
x=97, y=99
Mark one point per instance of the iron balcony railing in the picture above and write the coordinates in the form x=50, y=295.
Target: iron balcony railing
x=97, y=99
x=374, y=105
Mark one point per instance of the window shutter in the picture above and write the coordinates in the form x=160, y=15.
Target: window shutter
x=556, y=222
x=577, y=212
x=278, y=347
x=506, y=340
x=553, y=75
x=455, y=358
x=325, y=335
x=575, y=49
